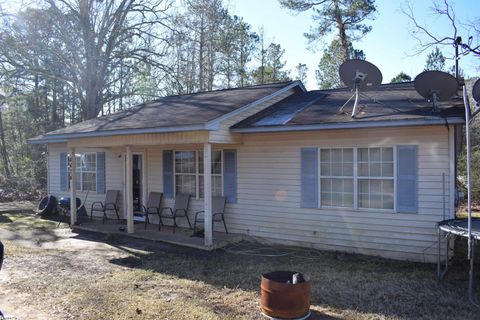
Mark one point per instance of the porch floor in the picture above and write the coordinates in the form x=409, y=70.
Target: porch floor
x=181, y=237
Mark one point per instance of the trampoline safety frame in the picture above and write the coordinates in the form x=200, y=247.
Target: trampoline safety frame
x=470, y=228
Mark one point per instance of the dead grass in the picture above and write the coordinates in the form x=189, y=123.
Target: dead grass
x=462, y=212
x=133, y=279
x=24, y=221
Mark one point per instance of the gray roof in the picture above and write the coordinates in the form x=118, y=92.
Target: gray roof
x=389, y=103
x=175, y=112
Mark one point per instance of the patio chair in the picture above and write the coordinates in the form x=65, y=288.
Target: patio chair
x=153, y=206
x=218, y=213
x=110, y=204
x=180, y=209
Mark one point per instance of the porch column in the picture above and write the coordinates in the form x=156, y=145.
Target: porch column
x=129, y=192
x=207, y=187
x=73, y=187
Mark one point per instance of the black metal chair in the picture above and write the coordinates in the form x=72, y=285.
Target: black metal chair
x=110, y=204
x=153, y=206
x=218, y=213
x=180, y=209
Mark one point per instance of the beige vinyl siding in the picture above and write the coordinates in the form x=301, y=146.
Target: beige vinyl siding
x=268, y=198
x=113, y=173
x=224, y=135
x=268, y=203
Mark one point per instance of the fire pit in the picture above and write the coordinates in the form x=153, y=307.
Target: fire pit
x=285, y=295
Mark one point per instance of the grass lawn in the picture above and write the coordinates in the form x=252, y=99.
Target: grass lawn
x=462, y=212
x=66, y=275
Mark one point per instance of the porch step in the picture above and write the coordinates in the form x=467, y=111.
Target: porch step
x=152, y=234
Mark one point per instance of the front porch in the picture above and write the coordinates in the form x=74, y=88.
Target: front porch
x=181, y=237
x=136, y=166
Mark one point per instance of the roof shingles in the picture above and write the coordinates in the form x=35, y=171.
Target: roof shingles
x=387, y=103
x=173, y=111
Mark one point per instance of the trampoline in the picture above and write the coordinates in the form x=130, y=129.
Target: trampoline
x=468, y=228
x=459, y=227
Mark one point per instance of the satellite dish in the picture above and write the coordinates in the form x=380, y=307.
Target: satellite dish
x=359, y=75
x=436, y=86
x=476, y=91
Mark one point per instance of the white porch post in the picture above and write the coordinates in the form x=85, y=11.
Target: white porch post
x=129, y=192
x=73, y=187
x=207, y=187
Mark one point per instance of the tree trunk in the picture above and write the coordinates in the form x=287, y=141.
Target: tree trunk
x=200, y=55
x=3, y=149
x=342, y=34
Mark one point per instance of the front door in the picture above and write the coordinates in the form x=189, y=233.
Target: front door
x=137, y=181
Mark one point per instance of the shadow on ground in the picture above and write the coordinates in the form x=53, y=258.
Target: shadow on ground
x=349, y=284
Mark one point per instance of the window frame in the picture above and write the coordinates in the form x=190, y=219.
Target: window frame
x=334, y=177
x=356, y=178
x=81, y=171
x=197, y=173
x=392, y=178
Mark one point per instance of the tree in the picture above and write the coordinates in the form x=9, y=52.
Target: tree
x=273, y=69
x=347, y=17
x=3, y=146
x=401, y=77
x=327, y=73
x=211, y=49
x=435, y=61
x=427, y=36
x=301, y=71
x=88, y=40
x=246, y=41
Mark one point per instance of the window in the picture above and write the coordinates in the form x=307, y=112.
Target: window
x=375, y=178
x=336, y=177
x=357, y=178
x=189, y=172
x=86, y=171
x=185, y=172
x=216, y=172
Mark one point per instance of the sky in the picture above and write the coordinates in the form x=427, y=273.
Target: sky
x=389, y=45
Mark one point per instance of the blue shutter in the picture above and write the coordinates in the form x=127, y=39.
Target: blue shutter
x=230, y=175
x=168, y=179
x=407, y=179
x=309, y=178
x=64, y=171
x=100, y=172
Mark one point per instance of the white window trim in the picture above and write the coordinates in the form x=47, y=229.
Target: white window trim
x=81, y=172
x=197, y=173
x=356, y=178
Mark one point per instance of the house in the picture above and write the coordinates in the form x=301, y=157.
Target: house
x=295, y=167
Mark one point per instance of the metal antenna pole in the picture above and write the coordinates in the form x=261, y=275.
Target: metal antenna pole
x=443, y=189
x=458, y=41
x=354, y=111
x=469, y=195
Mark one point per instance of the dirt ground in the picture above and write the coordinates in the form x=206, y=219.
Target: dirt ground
x=34, y=267
x=52, y=273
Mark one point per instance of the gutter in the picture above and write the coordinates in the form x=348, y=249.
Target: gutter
x=350, y=125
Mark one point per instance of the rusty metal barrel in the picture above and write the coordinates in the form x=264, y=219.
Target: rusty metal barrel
x=281, y=298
